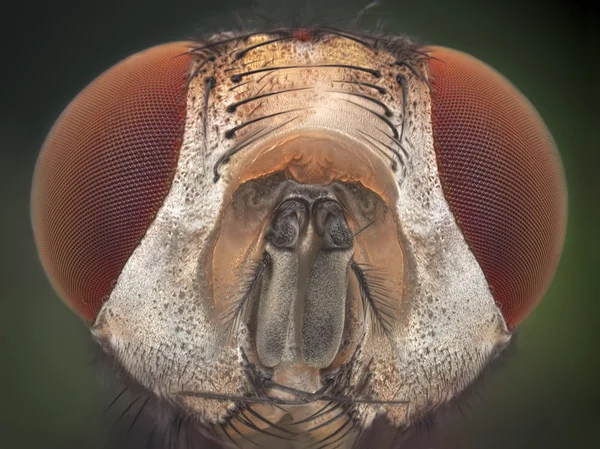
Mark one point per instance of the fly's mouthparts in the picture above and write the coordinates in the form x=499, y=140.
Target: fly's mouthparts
x=302, y=305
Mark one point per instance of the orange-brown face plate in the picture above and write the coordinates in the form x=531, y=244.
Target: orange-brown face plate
x=502, y=177
x=104, y=171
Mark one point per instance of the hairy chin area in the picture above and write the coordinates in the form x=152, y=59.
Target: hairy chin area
x=137, y=419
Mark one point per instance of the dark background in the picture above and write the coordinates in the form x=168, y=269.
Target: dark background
x=545, y=395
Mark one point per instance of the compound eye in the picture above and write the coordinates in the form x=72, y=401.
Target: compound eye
x=502, y=177
x=104, y=171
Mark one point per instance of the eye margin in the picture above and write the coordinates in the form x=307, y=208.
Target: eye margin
x=90, y=202
x=502, y=177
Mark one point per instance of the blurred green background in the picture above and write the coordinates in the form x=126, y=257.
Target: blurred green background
x=545, y=395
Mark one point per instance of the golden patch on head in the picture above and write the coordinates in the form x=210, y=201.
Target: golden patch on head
x=319, y=157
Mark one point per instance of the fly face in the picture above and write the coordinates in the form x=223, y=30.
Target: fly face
x=285, y=235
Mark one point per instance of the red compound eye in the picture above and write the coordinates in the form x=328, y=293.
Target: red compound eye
x=105, y=169
x=502, y=177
